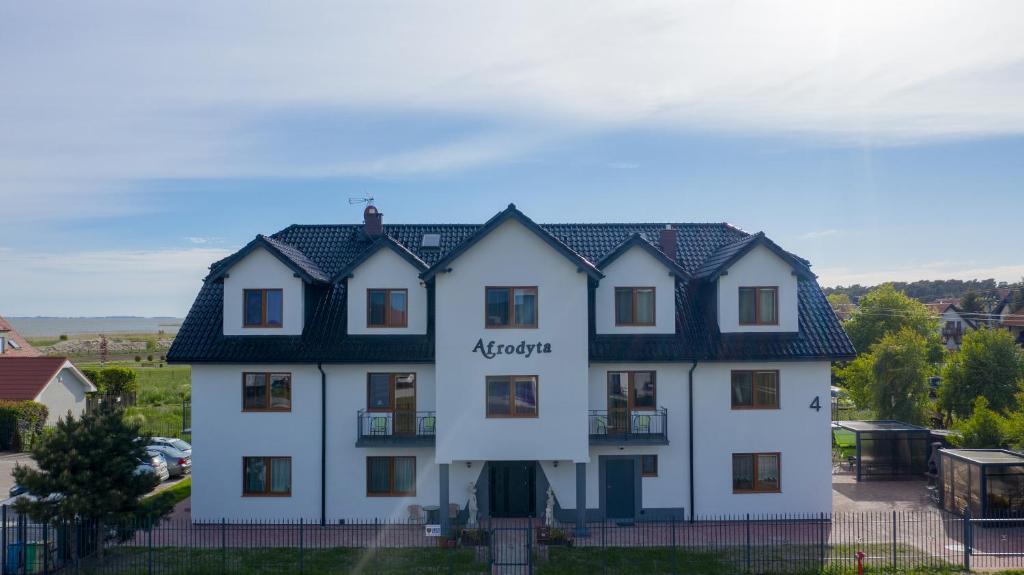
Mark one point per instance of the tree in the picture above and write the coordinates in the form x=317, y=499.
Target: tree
x=857, y=378
x=118, y=380
x=86, y=472
x=983, y=429
x=901, y=369
x=990, y=365
x=884, y=311
x=972, y=303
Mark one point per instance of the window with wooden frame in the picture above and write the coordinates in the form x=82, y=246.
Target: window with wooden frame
x=389, y=391
x=390, y=476
x=634, y=306
x=387, y=308
x=759, y=305
x=756, y=472
x=510, y=307
x=753, y=389
x=512, y=396
x=266, y=391
x=266, y=476
x=648, y=466
x=263, y=308
x=633, y=390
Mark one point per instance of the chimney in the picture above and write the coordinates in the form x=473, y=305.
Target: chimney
x=373, y=221
x=667, y=241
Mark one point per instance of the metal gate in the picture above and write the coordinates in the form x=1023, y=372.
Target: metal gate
x=511, y=547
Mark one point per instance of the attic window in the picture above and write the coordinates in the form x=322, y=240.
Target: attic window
x=431, y=241
x=13, y=344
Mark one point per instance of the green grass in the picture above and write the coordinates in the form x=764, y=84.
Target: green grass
x=172, y=561
x=181, y=490
x=161, y=390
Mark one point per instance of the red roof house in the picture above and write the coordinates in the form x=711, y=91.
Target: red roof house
x=52, y=381
x=12, y=344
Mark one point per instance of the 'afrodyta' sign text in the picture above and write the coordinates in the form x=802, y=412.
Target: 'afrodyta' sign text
x=493, y=349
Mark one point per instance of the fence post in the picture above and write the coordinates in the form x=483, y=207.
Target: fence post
x=968, y=536
x=149, y=554
x=3, y=556
x=894, y=540
x=675, y=556
x=821, y=540
x=223, y=545
x=529, y=546
x=302, y=558
x=46, y=548
x=748, y=543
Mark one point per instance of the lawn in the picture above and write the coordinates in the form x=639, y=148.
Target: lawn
x=161, y=390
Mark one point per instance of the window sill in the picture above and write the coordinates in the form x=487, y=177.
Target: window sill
x=391, y=494
x=289, y=494
x=266, y=410
x=534, y=416
x=755, y=408
x=257, y=325
x=754, y=491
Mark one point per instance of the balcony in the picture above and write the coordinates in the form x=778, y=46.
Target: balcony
x=628, y=428
x=385, y=429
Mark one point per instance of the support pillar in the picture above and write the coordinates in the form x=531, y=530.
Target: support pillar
x=581, y=499
x=442, y=470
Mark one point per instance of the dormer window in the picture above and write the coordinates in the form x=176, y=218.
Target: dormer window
x=387, y=308
x=263, y=308
x=759, y=306
x=634, y=306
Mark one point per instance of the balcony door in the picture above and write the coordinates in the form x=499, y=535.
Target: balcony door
x=630, y=392
x=405, y=404
x=619, y=409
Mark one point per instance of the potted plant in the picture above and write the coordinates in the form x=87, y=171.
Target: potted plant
x=473, y=537
x=553, y=536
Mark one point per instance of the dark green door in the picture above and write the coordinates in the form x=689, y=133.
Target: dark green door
x=620, y=488
x=512, y=488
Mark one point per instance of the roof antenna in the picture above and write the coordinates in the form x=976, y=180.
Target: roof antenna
x=363, y=200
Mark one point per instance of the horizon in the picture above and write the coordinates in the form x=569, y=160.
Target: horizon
x=878, y=141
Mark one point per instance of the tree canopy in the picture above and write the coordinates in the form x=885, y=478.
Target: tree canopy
x=971, y=302
x=884, y=311
x=900, y=371
x=990, y=365
x=983, y=429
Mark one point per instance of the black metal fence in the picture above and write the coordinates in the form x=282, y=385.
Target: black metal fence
x=887, y=542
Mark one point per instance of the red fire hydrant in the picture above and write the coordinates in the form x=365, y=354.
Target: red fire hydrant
x=860, y=563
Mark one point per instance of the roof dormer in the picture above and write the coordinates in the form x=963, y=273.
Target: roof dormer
x=638, y=291
x=383, y=290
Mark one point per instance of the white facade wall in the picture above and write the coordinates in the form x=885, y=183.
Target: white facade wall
x=65, y=392
x=760, y=267
x=386, y=269
x=262, y=270
x=511, y=255
x=636, y=268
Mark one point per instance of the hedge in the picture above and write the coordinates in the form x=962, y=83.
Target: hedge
x=21, y=424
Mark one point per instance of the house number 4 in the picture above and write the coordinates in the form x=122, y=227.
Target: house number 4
x=816, y=404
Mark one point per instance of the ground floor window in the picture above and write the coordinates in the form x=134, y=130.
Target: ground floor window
x=648, y=466
x=390, y=476
x=755, y=472
x=267, y=476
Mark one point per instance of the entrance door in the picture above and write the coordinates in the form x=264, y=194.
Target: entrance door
x=619, y=416
x=405, y=404
x=512, y=488
x=620, y=488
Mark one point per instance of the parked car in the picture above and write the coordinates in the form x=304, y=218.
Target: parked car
x=179, y=463
x=17, y=490
x=174, y=442
x=153, y=463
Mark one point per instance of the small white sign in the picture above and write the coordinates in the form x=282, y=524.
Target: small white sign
x=432, y=530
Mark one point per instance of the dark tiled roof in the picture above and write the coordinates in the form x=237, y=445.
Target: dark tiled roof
x=329, y=249
x=727, y=254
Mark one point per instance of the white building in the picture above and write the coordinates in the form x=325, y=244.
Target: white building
x=639, y=370
x=53, y=381
x=953, y=324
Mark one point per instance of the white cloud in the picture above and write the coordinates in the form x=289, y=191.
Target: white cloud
x=928, y=271
x=813, y=235
x=108, y=91
x=104, y=282
x=201, y=240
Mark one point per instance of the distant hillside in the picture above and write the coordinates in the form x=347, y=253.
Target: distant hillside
x=930, y=290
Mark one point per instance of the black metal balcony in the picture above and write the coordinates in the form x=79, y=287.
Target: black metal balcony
x=632, y=428
x=385, y=428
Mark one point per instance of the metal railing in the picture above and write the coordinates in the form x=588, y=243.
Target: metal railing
x=637, y=427
x=376, y=428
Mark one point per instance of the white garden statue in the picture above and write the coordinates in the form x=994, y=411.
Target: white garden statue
x=471, y=520
x=549, y=509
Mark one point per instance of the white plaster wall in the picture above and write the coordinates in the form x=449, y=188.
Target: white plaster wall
x=759, y=268
x=386, y=269
x=261, y=269
x=800, y=433
x=64, y=392
x=636, y=268
x=511, y=255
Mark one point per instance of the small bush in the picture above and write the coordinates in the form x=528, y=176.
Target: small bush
x=63, y=337
x=21, y=424
x=138, y=358
x=149, y=357
x=118, y=381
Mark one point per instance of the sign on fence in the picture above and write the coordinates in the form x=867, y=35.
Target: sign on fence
x=432, y=530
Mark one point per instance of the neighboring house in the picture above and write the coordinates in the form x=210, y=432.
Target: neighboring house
x=953, y=324
x=1009, y=317
x=53, y=381
x=12, y=344
x=639, y=370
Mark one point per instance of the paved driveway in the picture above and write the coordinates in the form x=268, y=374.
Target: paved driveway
x=7, y=462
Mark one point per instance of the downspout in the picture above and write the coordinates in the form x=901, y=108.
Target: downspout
x=689, y=405
x=323, y=443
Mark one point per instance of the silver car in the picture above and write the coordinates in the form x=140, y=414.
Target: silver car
x=153, y=463
x=179, y=463
x=174, y=442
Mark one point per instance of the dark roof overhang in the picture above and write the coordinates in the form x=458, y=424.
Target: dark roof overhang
x=636, y=240
x=719, y=262
x=384, y=241
x=303, y=267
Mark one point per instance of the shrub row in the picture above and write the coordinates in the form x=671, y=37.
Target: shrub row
x=21, y=424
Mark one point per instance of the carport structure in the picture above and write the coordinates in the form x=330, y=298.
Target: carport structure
x=887, y=449
x=988, y=481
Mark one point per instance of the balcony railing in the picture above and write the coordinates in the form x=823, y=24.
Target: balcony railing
x=624, y=427
x=402, y=428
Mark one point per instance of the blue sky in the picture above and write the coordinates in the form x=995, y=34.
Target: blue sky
x=142, y=143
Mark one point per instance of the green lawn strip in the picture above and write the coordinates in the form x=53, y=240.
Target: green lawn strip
x=173, y=561
x=180, y=491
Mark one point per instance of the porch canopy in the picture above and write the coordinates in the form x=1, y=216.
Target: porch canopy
x=887, y=449
x=990, y=482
